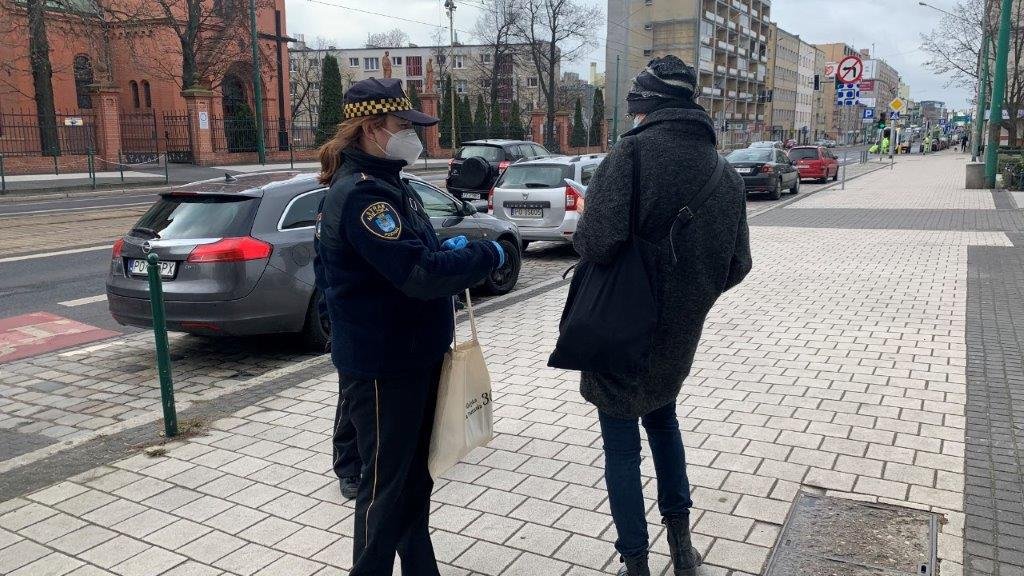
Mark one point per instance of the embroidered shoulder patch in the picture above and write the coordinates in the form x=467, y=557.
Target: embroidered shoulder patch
x=382, y=220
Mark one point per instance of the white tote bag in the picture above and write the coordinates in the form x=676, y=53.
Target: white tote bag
x=464, y=416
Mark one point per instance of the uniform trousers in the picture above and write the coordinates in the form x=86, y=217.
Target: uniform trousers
x=393, y=418
x=346, y=453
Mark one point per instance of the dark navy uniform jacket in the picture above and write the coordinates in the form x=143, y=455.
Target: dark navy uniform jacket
x=388, y=284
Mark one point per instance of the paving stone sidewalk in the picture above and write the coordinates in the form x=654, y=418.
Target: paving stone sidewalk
x=838, y=367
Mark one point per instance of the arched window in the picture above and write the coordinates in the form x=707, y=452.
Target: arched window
x=135, y=93
x=146, y=94
x=83, y=78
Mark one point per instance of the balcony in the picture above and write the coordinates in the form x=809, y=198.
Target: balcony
x=732, y=93
x=742, y=51
x=762, y=38
x=737, y=5
x=707, y=40
x=734, y=72
x=760, y=117
x=707, y=91
x=732, y=25
x=720, y=19
x=707, y=66
x=720, y=69
x=723, y=45
x=709, y=15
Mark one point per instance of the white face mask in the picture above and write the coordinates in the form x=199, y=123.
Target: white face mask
x=403, y=145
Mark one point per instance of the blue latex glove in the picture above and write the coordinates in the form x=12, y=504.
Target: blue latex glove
x=501, y=253
x=455, y=243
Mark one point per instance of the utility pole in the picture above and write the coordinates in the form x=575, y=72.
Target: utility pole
x=979, y=110
x=615, y=109
x=995, y=124
x=257, y=88
x=449, y=5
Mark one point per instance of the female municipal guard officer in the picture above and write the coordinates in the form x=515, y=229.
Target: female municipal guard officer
x=389, y=286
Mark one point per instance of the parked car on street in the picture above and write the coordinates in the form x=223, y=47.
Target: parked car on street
x=236, y=254
x=766, y=170
x=767, y=144
x=825, y=142
x=535, y=196
x=479, y=163
x=815, y=162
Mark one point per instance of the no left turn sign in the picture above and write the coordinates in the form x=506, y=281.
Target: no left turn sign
x=851, y=69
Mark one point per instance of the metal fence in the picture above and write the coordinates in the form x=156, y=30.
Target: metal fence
x=239, y=135
x=178, y=137
x=139, y=137
x=28, y=134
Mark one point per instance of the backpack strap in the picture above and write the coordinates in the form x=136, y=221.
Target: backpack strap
x=688, y=211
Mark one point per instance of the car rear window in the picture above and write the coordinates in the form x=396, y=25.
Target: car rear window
x=489, y=153
x=803, y=154
x=183, y=217
x=751, y=155
x=535, y=176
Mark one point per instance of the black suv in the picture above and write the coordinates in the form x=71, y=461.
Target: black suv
x=478, y=163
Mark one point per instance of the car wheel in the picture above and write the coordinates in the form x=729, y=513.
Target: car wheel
x=316, y=332
x=776, y=192
x=523, y=244
x=796, y=187
x=503, y=280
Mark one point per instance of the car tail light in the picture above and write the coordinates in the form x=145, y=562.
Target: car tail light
x=767, y=169
x=118, y=246
x=502, y=165
x=572, y=199
x=490, y=200
x=231, y=250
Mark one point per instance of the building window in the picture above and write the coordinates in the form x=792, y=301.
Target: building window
x=353, y=62
x=396, y=60
x=134, y=86
x=648, y=2
x=485, y=57
x=83, y=78
x=460, y=86
x=441, y=60
x=370, y=64
x=147, y=96
x=647, y=52
x=414, y=66
x=531, y=82
x=648, y=26
x=417, y=84
x=459, y=62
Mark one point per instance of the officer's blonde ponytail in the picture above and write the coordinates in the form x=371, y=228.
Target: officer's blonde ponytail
x=348, y=133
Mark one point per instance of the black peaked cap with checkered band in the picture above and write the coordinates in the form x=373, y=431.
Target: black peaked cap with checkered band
x=383, y=96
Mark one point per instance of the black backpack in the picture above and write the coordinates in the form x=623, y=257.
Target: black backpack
x=611, y=312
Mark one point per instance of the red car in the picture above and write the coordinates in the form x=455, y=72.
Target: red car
x=815, y=162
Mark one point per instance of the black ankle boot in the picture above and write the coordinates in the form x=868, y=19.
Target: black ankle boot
x=685, y=558
x=635, y=566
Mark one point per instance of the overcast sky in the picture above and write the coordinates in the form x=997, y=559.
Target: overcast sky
x=893, y=26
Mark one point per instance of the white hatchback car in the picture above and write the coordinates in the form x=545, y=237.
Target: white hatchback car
x=534, y=195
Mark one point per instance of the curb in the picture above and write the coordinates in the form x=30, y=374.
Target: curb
x=800, y=197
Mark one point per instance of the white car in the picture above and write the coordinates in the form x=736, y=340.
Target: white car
x=536, y=197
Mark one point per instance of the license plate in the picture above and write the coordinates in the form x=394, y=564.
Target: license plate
x=743, y=170
x=528, y=212
x=141, y=267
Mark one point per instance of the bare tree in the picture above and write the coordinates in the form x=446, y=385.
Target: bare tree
x=306, y=77
x=955, y=48
x=495, y=28
x=211, y=36
x=555, y=31
x=395, y=38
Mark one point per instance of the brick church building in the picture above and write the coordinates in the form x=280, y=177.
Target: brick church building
x=124, y=58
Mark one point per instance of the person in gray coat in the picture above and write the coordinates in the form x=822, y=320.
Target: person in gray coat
x=677, y=152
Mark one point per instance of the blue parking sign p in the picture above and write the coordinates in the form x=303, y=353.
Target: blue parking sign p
x=869, y=114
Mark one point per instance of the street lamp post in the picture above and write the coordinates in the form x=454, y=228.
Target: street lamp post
x=257, y=81
x=998, y=91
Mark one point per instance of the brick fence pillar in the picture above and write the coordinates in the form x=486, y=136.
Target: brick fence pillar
x=537, y=126
x=107, y=123
x=431, y=139
x=198, y=102
x=562, y=130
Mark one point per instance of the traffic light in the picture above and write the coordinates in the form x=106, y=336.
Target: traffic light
x=881, y=120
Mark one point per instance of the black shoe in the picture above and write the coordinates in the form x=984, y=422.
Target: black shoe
x=685, y=558
x=349, y=487
x=636, y=566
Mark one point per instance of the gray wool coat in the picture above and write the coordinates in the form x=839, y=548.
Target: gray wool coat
x=677, y=153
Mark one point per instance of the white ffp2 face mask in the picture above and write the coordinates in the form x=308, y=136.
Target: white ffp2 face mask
x=404, y=145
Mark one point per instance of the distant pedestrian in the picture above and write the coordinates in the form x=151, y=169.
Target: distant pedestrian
x=696, y=262
x=964, y=139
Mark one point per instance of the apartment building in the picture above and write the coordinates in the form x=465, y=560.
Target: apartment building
x=820, y=102
x=784, y=78
x=843, y=123
x=725, y=40
x=805, y=95
x=470, y=64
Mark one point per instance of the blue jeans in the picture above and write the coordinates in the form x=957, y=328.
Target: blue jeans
x=622, y=473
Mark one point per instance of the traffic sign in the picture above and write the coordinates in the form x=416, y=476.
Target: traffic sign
x=830, y=70
x=869, y=114
x=895, y=115
x=867, y=85
x=850, y=70
x=897, y=104
x=847, y=95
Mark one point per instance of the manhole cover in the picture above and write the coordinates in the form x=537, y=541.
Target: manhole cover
x=826, y=536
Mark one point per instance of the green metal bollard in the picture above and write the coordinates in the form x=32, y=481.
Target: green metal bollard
x=3, y=177
x=120, y=165
x=92, y=168
x=167, y=171
x=163, y=357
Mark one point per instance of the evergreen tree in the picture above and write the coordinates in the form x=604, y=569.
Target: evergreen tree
x=480, y=119
x=497, y=127
x=332, y=110
x=597, y=119
x=465, y=123
x=445, y=131
x=578, y=137
x=240, y=129
x=515, y=123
